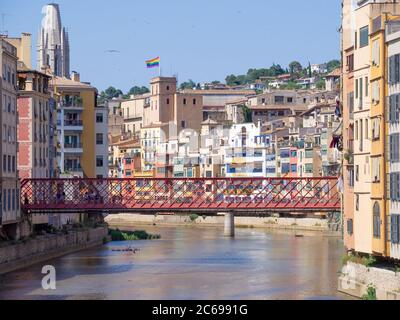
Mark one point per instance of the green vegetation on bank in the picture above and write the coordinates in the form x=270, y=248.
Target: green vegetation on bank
x=118, y=235
x=371, y=293
x=369, y=261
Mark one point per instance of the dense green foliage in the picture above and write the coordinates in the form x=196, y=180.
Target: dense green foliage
x=135, y=90
x=187, y=85
x=118, y=235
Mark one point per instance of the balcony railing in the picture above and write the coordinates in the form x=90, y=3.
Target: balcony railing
x=73, y=145
x=75, y=168
x=73, y=123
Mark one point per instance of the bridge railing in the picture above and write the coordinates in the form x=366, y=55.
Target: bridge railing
x=165, y=194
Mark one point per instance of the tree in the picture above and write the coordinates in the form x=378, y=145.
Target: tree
x=295, y=68
x=291, y=85
x=320, y=84
x=136, y=90
x=247, y=114
x=188, y=85
x=109, y=94
x=332, y=65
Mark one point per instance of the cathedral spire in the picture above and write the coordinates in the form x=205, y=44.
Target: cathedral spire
x=53, y=43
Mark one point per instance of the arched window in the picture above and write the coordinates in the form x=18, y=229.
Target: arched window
x=377, y=221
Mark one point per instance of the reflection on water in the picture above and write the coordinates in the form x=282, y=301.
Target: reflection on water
x=192, y=264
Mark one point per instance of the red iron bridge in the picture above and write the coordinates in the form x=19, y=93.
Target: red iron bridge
x=200, y=195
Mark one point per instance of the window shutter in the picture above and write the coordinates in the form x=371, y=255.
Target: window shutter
x=391, y=69
x=391, y=108
x=394, y=229
x=396, y=108
x=397, y=187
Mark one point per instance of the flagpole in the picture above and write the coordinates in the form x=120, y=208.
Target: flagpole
x=159, y=68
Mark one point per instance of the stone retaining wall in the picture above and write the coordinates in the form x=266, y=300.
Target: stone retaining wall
x=48, y=247
x=305, y=224
x=355, y=280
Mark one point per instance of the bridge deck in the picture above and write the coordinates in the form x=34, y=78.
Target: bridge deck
x=180, y=195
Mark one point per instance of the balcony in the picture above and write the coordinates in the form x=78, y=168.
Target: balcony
x=73, y=169
x=73, y=147
x=73, y=125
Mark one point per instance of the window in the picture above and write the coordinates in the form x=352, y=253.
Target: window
x=184, y=101
x=356, y=130
x=285, y=154
x=309, y=154
x=279, y=99
x=309, y=168
x=366, y=86
x=13, y=200
x=9, y=200
x=128, y=173
x=395, y=228
x=350, y=227
x=99, y=118
x=285, y=168
x=99, y=161
x=375, y=92
x=376, y=129
x=375, y=53
x=366, y=129
x=4, y=200
x=364, y=37
x=376, y=170
x=377, y=221
x=361, y=145
x=293, y=168
x=394, y=140
x=357, y=94
x=394, y=69
x=4, y=163
x=357, y=173
x=13, y=164
x=194, y=101
x=99, y=138
x=290, y=100
x=357, y=202
x=395, y=187
x=394, y=108
x=350, y=63
x=9, y=163
x=167, y=101
x=183, y=124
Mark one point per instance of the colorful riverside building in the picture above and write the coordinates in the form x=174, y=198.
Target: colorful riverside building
x=10, y=215
x=393, y=135
x=81, y=129
x=366, y=66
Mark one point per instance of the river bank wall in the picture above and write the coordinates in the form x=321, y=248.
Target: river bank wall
x=43, y=248
x=295, y=224
x=355, y=279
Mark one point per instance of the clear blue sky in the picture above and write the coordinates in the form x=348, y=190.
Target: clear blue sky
x=203, y=40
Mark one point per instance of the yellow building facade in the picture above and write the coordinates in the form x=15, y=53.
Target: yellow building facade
x=368, y=214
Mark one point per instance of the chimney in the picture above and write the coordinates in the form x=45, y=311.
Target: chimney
x=75, y=76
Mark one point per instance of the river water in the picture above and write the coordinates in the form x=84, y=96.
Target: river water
x=192, y=263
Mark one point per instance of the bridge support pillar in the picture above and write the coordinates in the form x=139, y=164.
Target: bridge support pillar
x=229, y=226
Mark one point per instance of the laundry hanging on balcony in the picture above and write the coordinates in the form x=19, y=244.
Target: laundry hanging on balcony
x=337, y=142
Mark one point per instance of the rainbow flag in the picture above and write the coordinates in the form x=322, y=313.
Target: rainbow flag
x=153, y=63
